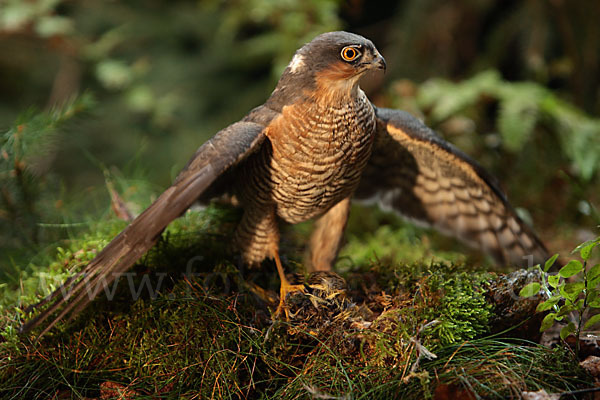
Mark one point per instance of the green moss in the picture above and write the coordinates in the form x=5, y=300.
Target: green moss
x=462, y=312
x=376, y=239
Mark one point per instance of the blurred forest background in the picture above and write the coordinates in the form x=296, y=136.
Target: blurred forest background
x=121, y=93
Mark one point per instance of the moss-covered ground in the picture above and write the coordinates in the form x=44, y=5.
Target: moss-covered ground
x=189, y=322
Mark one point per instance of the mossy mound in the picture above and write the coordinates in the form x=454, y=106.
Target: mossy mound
x=200, y=327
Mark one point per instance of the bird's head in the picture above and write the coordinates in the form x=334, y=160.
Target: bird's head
x=333, y=61
x=341, y=54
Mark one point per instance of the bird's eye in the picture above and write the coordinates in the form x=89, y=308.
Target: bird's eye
x=350, y=53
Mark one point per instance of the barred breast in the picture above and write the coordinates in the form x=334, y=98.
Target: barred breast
x=316, y=157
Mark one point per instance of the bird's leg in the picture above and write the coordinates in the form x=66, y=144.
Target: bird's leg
x=326, y=238
x=285, y=288
x=257, y=237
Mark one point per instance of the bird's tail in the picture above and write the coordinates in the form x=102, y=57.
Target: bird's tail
x=120, y=254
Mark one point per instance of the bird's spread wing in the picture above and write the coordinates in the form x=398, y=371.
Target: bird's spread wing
x=427, y=180
x=226, y=149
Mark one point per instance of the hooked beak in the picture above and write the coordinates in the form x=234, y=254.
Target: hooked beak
x=379, y=62
x=373, y=61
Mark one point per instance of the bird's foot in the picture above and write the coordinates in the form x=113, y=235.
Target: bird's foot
x=283, y=292
x=286, y=287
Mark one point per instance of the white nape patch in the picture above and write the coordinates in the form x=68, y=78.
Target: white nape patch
x=296, y=63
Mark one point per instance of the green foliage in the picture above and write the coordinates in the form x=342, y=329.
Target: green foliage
x=530, y=289
x=28, y=188
x=569, y=297
x=521, y=107
x=15, y=14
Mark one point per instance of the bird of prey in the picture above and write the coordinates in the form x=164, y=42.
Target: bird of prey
x=313, y=146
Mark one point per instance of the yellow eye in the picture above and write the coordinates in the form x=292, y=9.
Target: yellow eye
x=350, y=53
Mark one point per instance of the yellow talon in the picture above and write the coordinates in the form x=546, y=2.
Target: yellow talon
x=285, y=288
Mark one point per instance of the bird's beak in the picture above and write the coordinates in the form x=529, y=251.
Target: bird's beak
x=379, y=62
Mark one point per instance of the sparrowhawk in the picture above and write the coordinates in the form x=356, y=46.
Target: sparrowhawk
x=312, y=147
